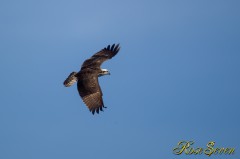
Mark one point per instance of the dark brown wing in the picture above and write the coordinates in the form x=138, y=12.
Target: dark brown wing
x=90, y=91
x=98, y=58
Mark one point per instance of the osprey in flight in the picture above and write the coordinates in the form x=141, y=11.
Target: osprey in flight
x=87, y=78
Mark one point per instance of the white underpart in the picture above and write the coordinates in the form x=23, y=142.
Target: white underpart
x=104, y=69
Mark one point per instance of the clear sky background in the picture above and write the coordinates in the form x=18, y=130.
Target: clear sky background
x=176, y=78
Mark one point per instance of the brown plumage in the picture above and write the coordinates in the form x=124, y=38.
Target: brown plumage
x=87, y=78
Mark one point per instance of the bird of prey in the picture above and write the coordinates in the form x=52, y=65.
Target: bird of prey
x=87, y=78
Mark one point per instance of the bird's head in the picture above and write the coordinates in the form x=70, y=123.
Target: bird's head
x=103, y=72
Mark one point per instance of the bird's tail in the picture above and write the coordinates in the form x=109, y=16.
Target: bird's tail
x=70, y=80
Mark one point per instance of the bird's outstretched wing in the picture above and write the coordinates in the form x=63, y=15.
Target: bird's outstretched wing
x=88, y=86
x=90, y=91
x=98, y=58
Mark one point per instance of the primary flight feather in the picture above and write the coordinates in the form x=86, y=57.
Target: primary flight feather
x=87, y=78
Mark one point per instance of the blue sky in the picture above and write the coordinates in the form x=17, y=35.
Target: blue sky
x=175, y=78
